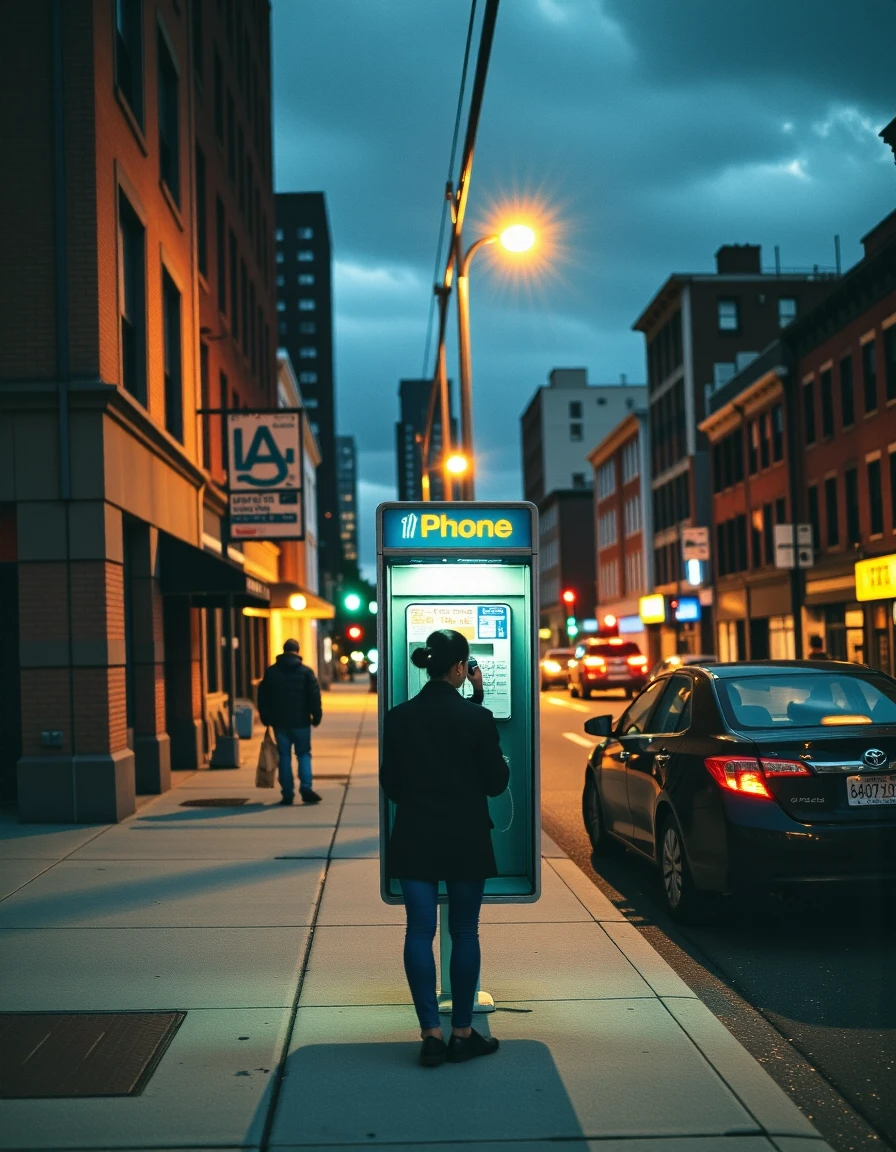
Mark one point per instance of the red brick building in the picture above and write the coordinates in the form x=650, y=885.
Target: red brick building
x=810, y=426
x=622, y=524
x=137, y=288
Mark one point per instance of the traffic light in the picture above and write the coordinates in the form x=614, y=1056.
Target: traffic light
x=355, y=633
x=572, y=628
x=352, y=602
x=569, y=597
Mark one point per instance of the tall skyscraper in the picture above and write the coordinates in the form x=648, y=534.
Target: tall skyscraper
x=413, y=399
x=347, y=491
x=305, y=330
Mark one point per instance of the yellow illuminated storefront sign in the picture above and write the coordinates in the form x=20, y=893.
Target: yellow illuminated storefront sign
x=652, y=609
x=876, y=578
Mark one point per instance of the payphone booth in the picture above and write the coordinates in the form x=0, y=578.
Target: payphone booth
x=472, y=567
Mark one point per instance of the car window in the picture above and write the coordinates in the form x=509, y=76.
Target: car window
x=634, y=720
x=608, y=648
x=673, y=713
x=808, y=699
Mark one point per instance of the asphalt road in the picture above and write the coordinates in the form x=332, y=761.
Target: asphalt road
x=807, y=983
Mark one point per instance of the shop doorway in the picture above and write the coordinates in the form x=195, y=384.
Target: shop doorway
x=759, y=644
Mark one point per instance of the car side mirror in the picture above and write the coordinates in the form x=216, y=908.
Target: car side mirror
x=601, y=726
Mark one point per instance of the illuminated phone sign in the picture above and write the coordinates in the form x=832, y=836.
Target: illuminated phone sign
x=451, y=527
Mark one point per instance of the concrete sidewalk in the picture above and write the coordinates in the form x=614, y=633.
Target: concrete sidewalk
x=264, y=924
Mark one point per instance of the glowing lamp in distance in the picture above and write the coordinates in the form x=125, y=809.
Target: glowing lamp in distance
x=518, y=238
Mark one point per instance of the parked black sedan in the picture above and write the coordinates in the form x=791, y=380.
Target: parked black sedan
x=740, y=776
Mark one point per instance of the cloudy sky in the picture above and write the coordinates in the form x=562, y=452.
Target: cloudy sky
x=642, y=133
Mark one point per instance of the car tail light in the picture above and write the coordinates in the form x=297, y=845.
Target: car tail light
x=594, y=662
x=738, y=774
x=784, y=768
x=637, y=661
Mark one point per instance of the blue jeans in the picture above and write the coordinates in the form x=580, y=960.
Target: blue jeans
x=421, y=906
x=300, y=739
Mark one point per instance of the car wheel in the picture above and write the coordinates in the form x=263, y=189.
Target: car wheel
x=631, y=693
x=573, y=691
x=602, y=843
x=684, y=902
x=586, y=693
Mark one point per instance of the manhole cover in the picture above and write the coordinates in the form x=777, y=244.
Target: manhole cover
x=216, y=802
x=81, y=1053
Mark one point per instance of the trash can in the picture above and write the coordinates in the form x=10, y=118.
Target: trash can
x=244, y=718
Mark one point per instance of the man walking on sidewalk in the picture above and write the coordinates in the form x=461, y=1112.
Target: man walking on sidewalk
x=289, y=702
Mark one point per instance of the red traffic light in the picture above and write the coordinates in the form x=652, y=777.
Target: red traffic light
x=569, y=597
x=355, y=633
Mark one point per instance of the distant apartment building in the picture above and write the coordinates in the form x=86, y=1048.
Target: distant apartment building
x=563, y=421
x=623, y=533
x=138, y=300
x=700, y=329
x=413, y=403
x=347, y=492
x=305, y=329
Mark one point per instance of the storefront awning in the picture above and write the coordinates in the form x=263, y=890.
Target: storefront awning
x=208, y=580
x=299, y=601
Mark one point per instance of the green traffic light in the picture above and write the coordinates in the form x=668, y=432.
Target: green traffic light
x=352, y=602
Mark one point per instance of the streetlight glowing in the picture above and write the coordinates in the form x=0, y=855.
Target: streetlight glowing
x=297, y=602
x=518, y=238
x=456, y=464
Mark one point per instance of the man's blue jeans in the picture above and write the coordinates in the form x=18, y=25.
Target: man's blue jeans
x=421, y=906
x=300, y=739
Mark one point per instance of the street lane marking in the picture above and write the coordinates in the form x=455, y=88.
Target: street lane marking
x=569, y=704
x=577, y=739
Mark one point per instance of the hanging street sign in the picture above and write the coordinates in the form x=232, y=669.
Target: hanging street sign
x=784, y=541
x=265, y=462
x=695, y=544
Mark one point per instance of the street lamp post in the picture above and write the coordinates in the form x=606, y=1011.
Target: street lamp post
x=517, y=238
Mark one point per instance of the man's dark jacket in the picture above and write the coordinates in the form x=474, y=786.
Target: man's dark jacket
x=289, y=694
x=441, y=761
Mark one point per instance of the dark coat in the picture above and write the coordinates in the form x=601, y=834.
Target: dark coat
x=441, y=761
x=289, y=694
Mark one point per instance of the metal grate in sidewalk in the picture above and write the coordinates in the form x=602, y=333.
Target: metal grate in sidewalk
x=64, y=1054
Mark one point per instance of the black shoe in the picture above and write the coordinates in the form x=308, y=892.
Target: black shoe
x=462, y=1048
x=309, y=796
x=286, y=800
x=433, y=1052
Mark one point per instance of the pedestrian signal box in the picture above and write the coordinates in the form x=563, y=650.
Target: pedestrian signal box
x=472, y=567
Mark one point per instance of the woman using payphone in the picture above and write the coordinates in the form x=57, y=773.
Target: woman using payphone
x=441, y=761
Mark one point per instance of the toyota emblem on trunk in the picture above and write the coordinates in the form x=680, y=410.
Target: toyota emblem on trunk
x=874, y=758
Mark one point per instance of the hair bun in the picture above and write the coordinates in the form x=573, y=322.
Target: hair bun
x=421, y=657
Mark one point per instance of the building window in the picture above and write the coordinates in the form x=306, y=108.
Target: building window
x=575, y=409
x=218, y=81
x=875, y=498
x=830, y=504
x=575, y=431
x=205, y=396
x=890, y=361
x=221, y=255
x=307, y=353
x=847, y=396
x=753, y=447
x=171, y=351
x=307, y=377
x=729, y=316
x=764, y=440
x=606, y=479
x=281, y=305
x=311, y=401
x=827, y=404
x=306, y=279
x=869, y=375
x=632, y=515
x=201, y=214
x=231, y=138
x=630, y=464
x=756, y=536
x=304, y=256
x=606, y=529
x=306, y=304
x=282, y=328
x=777, y=419
x=234, y=289
x=768, y=534
x=280, y=281
x=786, y=311
x=307, y=328
x=169, y=135
x=132, y=299
x=814, y=518
x=304, y=233
x=279, y=257
x=809, y=411
x=129, y=54
x=851, y=493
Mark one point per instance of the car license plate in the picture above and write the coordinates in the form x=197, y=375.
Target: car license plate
x=871, y=790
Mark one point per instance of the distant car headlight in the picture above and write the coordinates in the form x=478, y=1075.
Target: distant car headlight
x=551, y=666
